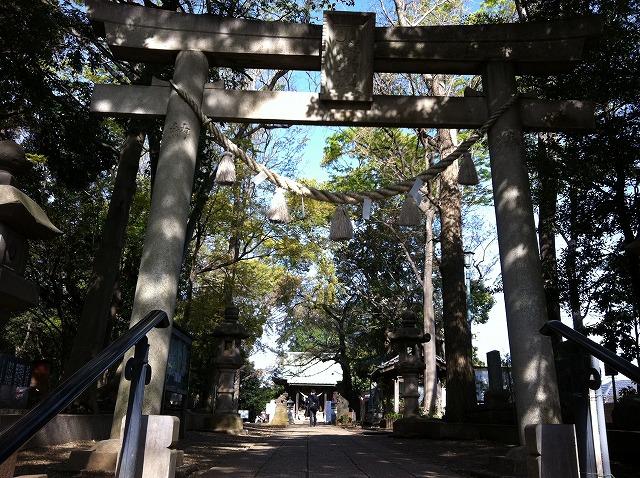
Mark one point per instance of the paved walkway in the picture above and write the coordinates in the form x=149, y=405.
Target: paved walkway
x=322, y=451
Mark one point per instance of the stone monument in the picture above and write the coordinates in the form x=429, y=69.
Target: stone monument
x=228, y=336
x=342, y=409
x=496, y=396
x=281, y=415
x=551, y=451
x=159, y=432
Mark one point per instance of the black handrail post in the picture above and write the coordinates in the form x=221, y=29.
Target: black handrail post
x=607, y=356
x=138, y=372
x=21, y=431
x=584, y=429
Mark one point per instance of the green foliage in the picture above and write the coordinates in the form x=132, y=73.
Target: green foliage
x=597, y=175
x=494, y=11
x=393, y=416
x=43, y=93
x=482, y=302
x=350, y=306
x=344, y=420
x=629, y=393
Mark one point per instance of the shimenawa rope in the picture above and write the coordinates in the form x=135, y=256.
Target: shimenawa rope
x=336, y=197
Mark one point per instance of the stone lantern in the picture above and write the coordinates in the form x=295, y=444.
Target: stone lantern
x=408, y=340
x=228, y=336
x=21, y=219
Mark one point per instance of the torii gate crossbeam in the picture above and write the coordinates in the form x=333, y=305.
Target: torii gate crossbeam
x=153, y=35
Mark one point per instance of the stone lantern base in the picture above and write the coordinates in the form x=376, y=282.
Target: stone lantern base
x=408, y=427
x=226, y=423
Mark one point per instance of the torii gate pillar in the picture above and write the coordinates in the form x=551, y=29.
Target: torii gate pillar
x=534, y=376
x=164, y=239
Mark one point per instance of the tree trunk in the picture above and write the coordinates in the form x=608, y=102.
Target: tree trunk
x=457, y=334
x=93, y=326
x=573, y=281
x=347, y=381
x=431, y=394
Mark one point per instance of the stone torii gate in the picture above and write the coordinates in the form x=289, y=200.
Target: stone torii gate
x=348, y=49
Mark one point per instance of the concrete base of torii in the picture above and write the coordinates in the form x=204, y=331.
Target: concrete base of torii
x=159, y=432
x=410, y=427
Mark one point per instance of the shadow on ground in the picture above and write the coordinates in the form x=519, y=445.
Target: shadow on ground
x=323, y=451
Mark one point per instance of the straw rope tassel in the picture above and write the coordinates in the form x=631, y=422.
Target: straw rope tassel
x=410, y=214
x=341, y=227
x=226, y=173
x=278, y=211
x=467, y=174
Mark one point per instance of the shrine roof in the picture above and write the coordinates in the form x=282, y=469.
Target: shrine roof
x=300, y=368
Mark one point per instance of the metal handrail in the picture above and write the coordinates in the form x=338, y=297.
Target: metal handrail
x=21, y=431
x=607, y=356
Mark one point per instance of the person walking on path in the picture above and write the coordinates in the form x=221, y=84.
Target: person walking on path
x=312, y=406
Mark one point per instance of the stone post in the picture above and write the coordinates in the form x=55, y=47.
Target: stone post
x=396, y=395
x=535, y=386
x=166, y=228
x=494, y=367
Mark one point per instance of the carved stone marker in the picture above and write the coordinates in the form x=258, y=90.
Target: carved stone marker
x=494, y=366
x=496, y=397
x=347, y=56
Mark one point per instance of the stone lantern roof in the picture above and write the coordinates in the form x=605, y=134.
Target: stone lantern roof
x=12, y=157
x=230, y=328
x=408, y=331
x=17, y=210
